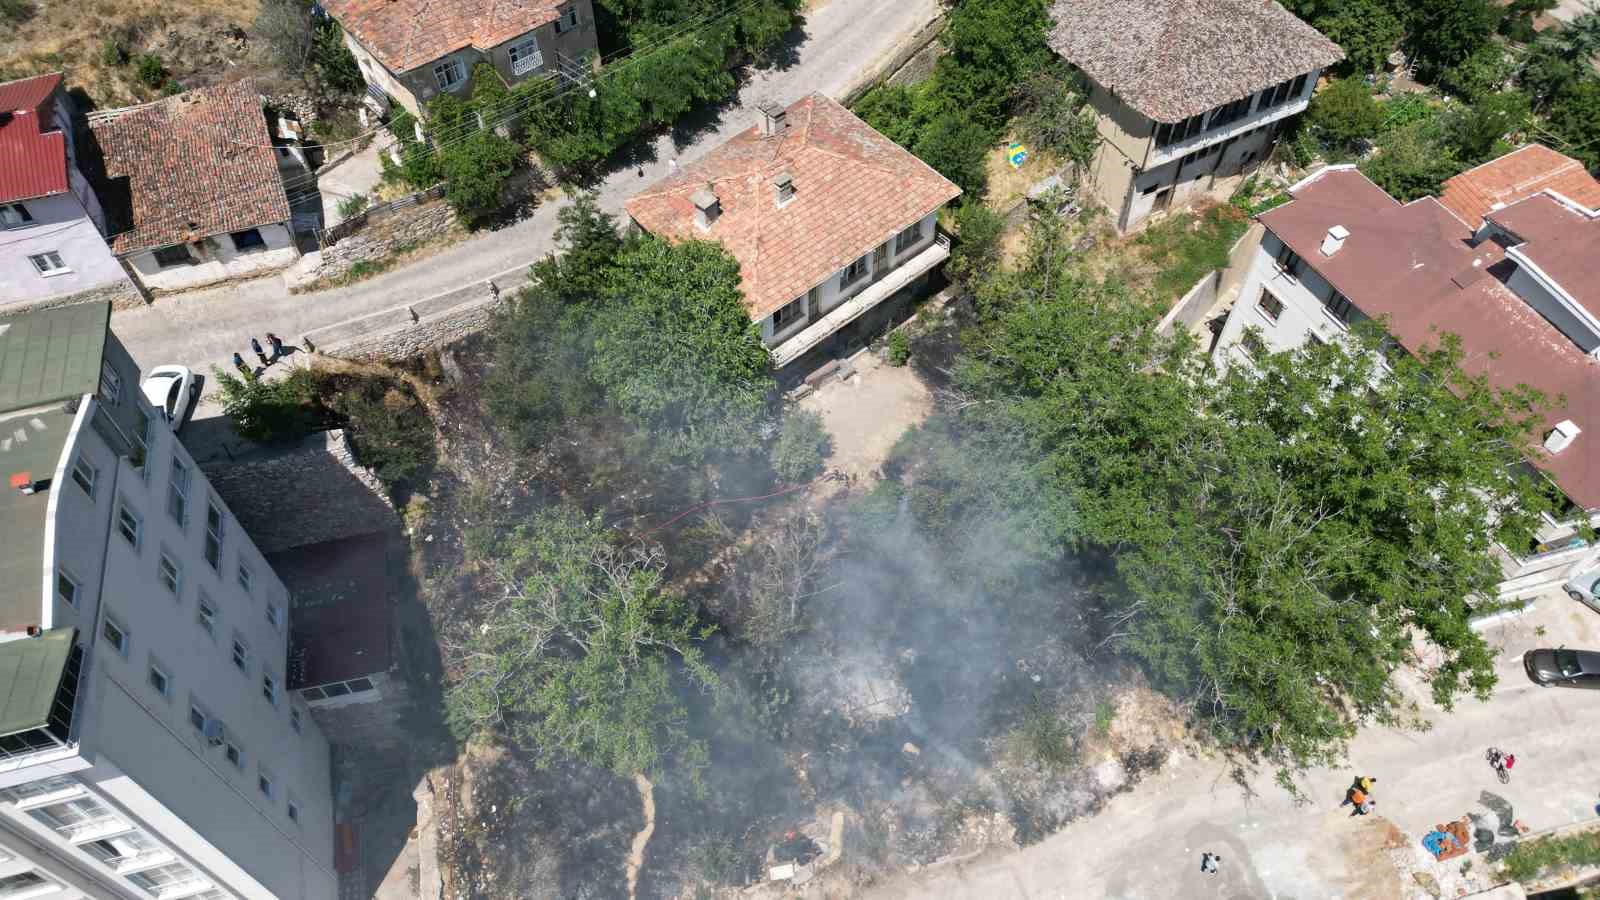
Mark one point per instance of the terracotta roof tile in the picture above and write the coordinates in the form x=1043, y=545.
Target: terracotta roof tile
x=33, y=150
x=1401, y=261
x=1171, y=59
x=199, y=163
x=405, y=34
x=1516, y=176
x=853, y=190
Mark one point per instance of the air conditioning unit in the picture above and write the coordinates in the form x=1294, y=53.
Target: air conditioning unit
x=215, y=733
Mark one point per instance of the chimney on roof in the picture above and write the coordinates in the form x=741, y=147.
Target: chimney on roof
x=1334, y=240
x=1562, y=436
x=783, y=187
x=774, y=119
x=707, y=208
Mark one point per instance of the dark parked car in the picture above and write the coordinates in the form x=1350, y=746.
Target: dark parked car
x=1563, y=667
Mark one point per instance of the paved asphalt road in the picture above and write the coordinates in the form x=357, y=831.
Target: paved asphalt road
x=1147, y=843
x=843, y=39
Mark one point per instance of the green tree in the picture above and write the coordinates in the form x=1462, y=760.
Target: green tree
x=335, y=63
x=802, y=446
x=1055, y=115
x=991, y=46
x=391, y=431
x=1442, y=33
x=265, y=410
x=957, y=147
x=577, y=656
x=1484, y=71
x=894, y=111
x=1574, y=116
x=1478, y=131
x=1344, y=115
x=1412, y=162
x=676, y=353
x=1367, y=30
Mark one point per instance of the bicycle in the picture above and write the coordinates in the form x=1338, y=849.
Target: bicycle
x=1497, y=760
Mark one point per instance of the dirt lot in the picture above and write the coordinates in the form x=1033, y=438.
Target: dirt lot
x=867, y=412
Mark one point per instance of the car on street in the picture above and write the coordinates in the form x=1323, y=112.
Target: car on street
x=170, y=389
x=1584, y=587
x=1563, y=668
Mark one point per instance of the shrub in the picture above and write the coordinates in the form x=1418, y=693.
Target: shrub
x=978, y=231
x=334, y=60
x=1411, y=162
x=1477, y=130
x=353, y=204
x=267, y=411
x=16, y=10
x=150, y=70
x=1344, y=115
x=111, y=53
x=1486, y=70
x=899, y=348
x=803, y=444
x=1528, y=858
x=956, y=146
x=389, y=429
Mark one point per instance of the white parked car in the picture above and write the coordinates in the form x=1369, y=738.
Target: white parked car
x=1584, y=587
x=170, y=389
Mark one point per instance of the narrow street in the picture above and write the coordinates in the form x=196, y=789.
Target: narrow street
x=203, y=328
x=1147, y=843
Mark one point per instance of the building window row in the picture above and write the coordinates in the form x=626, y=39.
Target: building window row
x=1168, y=133
x=338, y=689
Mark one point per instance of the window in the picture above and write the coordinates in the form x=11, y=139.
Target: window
x=246, y=577
x=49, y=263
x=788, y=315
x=568, y=18
x=197, y=718
x=1338, y=306
x=1253, y=344
x=1231, y=112
x=66, y=588
x=116, y=636
x=273, y=616
x=14, y=215
x=178, y=255
x=448, y=74
x=178, y=493
x=214, y=527
x=269, y=688
x=909, y=238
x=1270, y=306
x=234, y=755
x=247, y=240
x=294, y=720
x=853, y=273
x=264, y=782
x=294, y=812
x=170, y=573
x=313, y=694
x=208, y=614
x=525, y=56
x=155, y=879
x=110, y=384
x=1299, y=86
x=241, y=656
x=55, y=784
x=141, y=441
x=1288, y=261
x=359, y=685
x=159, y=680
x=85, y=475
x=22, y=881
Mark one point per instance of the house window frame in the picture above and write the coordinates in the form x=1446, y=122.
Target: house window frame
x=49, y=264
x=164, y=256
x=1267, y=312
x=246, y=577
x=857, y=271
x=239, y=655
x=274, y=616
x=169, y=571
x=522, y=49
x=110, y=384
x=19, y=216
x=449, y=74
x=125, y=513
x=85, y=475
x=270, y=690
x=1338, y=306
x=158, y=671
x=234, y=754
x=788, y=314
x=266, y=782
x=902, y=242
x=70, y=598
x=215, y=535
x=296, y=719
x=566, y=18
x=252, y=245
x=112, y=629
x=206, y=614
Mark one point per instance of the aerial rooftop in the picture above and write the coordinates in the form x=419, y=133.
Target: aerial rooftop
x=33, y=151
x=1516, y=176
x=199, y=163
x=1412, y=264
x=853, y=190
x=404, y=34
x=1561, y=239
x=1171, y=59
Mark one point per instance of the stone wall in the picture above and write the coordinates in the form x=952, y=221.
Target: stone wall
x=312, y=492
x=402, y=231
x=440, y=322
x=122, y=294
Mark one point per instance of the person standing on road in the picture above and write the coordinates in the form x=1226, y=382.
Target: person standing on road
x=277, y=346
x=256, y=346
x=1366, y=782
x=238, y=363
x=1208, y=862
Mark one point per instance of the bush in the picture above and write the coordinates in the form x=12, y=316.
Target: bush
x=1529, y=858
x=803, y=444
x=389, y=429
x=352, y=205
x=334, y=61
x=1344, y=116
x=899, y=348
x=1411, y=162
x=978, y=231
x=1477, y=131
x=111, y=53
x=16, y=10
x=150, y=70
x=1485, y=71
x=1055, y=116
x=956, y=146
x=268, y=411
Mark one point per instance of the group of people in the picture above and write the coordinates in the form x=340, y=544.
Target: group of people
x=277, y=353
x=1359, y=795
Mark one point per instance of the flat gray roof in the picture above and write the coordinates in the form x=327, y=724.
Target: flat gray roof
x=32, y=443
x=30, y=673
x=52, y=354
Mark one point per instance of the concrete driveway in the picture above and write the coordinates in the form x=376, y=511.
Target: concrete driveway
x=1147, y=843
x=842, y=41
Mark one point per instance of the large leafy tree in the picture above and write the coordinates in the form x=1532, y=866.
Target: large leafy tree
x=1279, y=537
x=1443, y=33
x=1367, y=30
x=576, y=656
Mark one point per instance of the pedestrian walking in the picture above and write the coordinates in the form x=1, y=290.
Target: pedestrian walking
x=1510, y=760
x=256, y=346
x=277, y=346
x=1208, y=863
x=238, y=363
x=1366, y=807
x=494, y=290
x=1366, y=782
x=1356, y=798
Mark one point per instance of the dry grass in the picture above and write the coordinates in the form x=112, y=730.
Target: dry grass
x=1008, y=186
x=192, y=39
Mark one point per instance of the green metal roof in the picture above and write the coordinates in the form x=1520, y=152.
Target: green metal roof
x=30, y=673
x=52, y=354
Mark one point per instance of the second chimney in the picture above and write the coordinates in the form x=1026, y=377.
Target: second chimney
x=1562, y=436
x=783, y=187
x=706, y=208
x=1334, y=240
x=774, y=119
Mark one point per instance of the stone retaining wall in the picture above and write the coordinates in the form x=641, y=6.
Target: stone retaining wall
x=405, y=338
x=122, y=294
x=402, y=231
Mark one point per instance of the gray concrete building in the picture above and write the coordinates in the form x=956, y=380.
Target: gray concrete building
x=149, y=746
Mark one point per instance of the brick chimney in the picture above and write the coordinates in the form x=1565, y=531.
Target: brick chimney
x=783, y=187
x=707, y=208
x=774, y=119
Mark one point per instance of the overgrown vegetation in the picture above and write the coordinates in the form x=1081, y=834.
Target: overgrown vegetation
x=266, y=410
x=1189, y=246
x=1529, y=859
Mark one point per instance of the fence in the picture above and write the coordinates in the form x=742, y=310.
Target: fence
x=374, y=214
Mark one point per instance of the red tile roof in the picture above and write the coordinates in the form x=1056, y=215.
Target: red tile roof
x=405, y=34
x=33, y=151
x=197, y=164
x=1561, y=240
x=853, y=190
x=1412, y=263
x=1516, y=176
